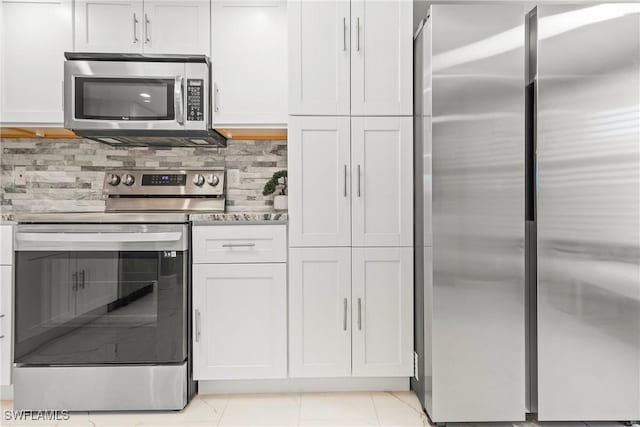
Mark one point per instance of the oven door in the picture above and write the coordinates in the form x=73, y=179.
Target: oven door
x=101, y=294
x=130, y=95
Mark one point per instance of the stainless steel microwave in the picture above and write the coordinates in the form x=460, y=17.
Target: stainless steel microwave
x=140, y=100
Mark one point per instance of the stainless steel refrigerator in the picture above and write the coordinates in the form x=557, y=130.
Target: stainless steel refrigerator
x=588, y=211
x=527, y=148
x=470, y=231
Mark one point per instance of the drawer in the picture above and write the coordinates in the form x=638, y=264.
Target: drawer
x=217, y=244
x=6, y=244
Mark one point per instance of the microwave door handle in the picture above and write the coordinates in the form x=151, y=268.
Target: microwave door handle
x=179, y=100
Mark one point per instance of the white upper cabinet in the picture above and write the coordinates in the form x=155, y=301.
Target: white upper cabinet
x=34, y=36
x=151, y=26
x=382, y=167
x=109, y=25
x=382, y=58
x=177, y=27
x=319, y=57
x=350, y=57
x=319, y=181
x=320, y=312
x=249, y=57
x=382, y=292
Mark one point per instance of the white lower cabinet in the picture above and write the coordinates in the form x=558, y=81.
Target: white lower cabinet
x=240, y=321
x=351, y=312
x=320, y=312
x=5, y=324
x=382, y=292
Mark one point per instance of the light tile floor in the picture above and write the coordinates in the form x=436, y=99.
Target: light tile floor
x=358, y=409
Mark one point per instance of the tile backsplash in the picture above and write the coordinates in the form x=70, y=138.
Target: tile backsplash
x=67, y=174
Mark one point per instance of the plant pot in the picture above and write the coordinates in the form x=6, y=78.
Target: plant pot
x=280, y=203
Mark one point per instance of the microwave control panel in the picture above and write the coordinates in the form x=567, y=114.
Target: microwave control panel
x=195, y=100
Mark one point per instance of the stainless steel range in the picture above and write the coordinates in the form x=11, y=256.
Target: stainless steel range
x=102, y=299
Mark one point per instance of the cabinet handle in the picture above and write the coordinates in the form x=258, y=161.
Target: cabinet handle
x=135, y=28
x=215, y=99
x=238, y=245
x=2, y=329
x=358, y=34
x=359, y=314
x=359, y=191
x=82, y=279
x=345, y=180
x=197, y=325
x=344, y=34
x=344, y=322
x=147, y=39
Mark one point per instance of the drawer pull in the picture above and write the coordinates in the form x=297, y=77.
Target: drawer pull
x=238, y=245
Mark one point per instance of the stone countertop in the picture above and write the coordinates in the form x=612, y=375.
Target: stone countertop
x=239, y=217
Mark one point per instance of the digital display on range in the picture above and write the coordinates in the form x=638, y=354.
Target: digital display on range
x=164, y=179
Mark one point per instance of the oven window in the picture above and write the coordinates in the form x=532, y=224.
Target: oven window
x=124, y=98
x=86, y=307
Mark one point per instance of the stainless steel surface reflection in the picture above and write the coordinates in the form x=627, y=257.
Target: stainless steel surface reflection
x=478, y=290
x=101, y=388
x=588, y=155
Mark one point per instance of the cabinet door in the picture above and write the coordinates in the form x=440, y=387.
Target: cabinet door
x=319, y=58
x=176, y=27
x=97, y=281
x=6, y=285
x=109, y=25
x=319, y=168
x=381, y=57
x=382, y=163
x=320, y=312
x=249, y=62
x=240, y=321
x=382, y=292
x=34, y=37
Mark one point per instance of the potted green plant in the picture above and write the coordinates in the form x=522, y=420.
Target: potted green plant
x=278, y=182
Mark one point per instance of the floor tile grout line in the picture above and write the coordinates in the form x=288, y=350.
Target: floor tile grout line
x=375, y=409
x=223, y=411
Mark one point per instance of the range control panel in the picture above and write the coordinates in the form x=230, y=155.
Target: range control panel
x=164, y=183
x=195, y=100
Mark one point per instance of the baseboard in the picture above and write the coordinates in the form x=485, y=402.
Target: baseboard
x=6, y=392
x=293, y=385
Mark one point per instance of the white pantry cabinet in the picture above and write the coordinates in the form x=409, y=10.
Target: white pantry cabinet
x=137, y=26
x=382, y=57
x=320, y=312
x=319, y=57
x=249, y=60
x=382, y=196
x=34, y=36
x=319, y=166
x=382, y=294
x=350, y=57
x=240, y=321
x=350, y=186
x=351, y=312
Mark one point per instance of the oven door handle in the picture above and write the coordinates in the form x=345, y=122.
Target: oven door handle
x=99, y=237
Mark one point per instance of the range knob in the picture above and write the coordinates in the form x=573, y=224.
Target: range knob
x=213, y=180
x=113, y=179
x=198, y=180
x=128, y=179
